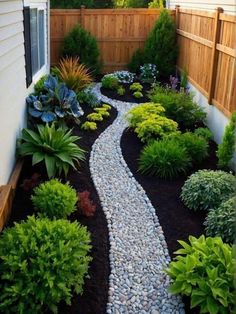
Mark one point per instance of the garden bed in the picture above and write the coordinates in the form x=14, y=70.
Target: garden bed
x=94, y=298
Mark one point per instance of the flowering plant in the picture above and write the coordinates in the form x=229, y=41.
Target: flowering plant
x=124, y=76
x=148, y=73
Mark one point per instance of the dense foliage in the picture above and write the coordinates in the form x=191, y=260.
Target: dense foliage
x=110, y=81
x=55, y=147
x=204, y=132
x=206, y=189
x=88, y=97
x=165, y=159
x=204, y=270
x=80, y=43
x=89, y=126
x=94, y=117
x=136, y=87
x=130, y=3
x=42, y=263
x=70, y=4
x=54, y=199
x=221, y=221
x=136, y=61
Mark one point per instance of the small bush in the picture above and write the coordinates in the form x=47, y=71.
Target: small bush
x=125, y=77
x=136, y=61
x=137, y=95
x=136, y=87
x=110, y=81
x=107, y=107
x=42, y=262
x=85, y=204
x=120, y=91
x=54, y=199
x=165, y=159
x=89, y=126
x=80, y=43
x=103, y=112
x=95, y=117
x=221, y=221
x=88, y=97
x=204, y=132
x=206, y=189
x=148, y=73
x=204, y=271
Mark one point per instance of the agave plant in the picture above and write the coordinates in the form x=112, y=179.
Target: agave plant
x=75, y=75
x=55, y=146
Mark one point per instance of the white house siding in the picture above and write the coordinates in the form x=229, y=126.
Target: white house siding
x=13, y=89
x=229, y=6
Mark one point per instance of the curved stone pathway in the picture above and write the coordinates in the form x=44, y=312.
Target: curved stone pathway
x=138, y=252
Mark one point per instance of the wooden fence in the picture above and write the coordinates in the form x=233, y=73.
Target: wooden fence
x=119, y=32
x=207, y=52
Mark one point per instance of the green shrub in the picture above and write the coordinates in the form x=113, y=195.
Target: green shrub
x=141, y=112
x=103, y=112
x=120, y=91
x=89, y=126
x=204, y=132
x=94, y=117
x=227, y=148
x=161, y=46
x=42, y=263
x=106, y=106
x=136, y=87
x=165, y=159
x=54, y=199
x=71, y=4
x=110, y=81
x=178, y=106
x=206, y=189
x=53, y=146
x=88, y=97
x=80, y=43
x=136, y=61
x=130, y=3
x=204, y=271
x=156, y=4
x=137, y=94
x=221, y=221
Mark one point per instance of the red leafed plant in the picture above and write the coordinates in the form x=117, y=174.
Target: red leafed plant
x=85, y=204
x=29, y=184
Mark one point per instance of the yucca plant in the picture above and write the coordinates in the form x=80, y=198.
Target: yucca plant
x=75, y=74
x=55, y=146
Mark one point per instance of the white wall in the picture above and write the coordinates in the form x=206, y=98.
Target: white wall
x=13, y=89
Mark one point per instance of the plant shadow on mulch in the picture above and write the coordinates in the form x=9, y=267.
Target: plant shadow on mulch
x=177, y=221
x=94, y=298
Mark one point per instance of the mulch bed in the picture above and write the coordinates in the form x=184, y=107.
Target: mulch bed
x=94, y=298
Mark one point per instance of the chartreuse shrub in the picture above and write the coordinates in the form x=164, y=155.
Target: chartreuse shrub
x=206, y=189
x=110, y=81
x=53, y=146
x=42, y=262
x=102, y=111
x=94, y=117
x=204, y=271
x=138, y=95
x=54, y=199
x=221, y=221
x=204, y=132
x=227, y=148
x=164, y=158
x=178, y=106
x=80, y=43
x=136, y=87
x=89, y=126
x=120, y=91
x=106, y=106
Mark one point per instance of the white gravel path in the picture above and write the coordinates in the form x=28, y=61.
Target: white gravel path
x=138, y=252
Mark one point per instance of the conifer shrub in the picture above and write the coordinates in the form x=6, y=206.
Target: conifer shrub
x=136, y=61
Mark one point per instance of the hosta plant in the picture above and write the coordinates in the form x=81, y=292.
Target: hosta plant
x=136, y=87
x=138, y=95
x=54, y=199
x=206, y=189
x=165, y=159
x=89, y=126
x=95, y=117
x=204, y=132
x=148, y=73
x=42, y=263
x=204, y=270
x=110, y=81
x=124, y=76
x=53, y=146
x=221, y=221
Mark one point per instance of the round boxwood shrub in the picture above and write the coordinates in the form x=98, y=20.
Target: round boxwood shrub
x=221, y=221
x=207, y=189
x=204, y=132
x=42, y=263
x=55, y=199
x=165, y=159
x=80, y=43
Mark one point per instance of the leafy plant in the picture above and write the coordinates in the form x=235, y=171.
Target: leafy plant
x=156, y=4
x=178, y=106
x=227, y=148
x=88, y=97
x=85, y=204
x=72, y=4
x=110, y=81
x=55, y=147
x=136, y=61
x=165, y=159
x=103, y=112
x=204, y=270
x=39, y=86
x=131, y=3
x=80, y=43
x=95, y=117
x=161, y=46
x=204, y=132
x=75, y=75
x=120, y=91
x=136, y=87
x=54, y=199
x=29, y=184
x=125, y=77
x=106, y=106
x=42, y=263
x=207, y=189
x=221, y=221
x=148, y=73
x=138, y=95
x=89, y=126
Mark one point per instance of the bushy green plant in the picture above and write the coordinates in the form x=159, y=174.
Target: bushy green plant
x=204, y=271
x=178, y=106
x=110, y=81
x=42, y=263
x=55, y=147
x=103, y=112
x=165, y=159
x=130, y=3
x=88, y=97
x=106, y=106
x=89, y=126
x=206, y=189
x=120, y=91
x=136, y=87
x=136, y=61
x=221, y=221
x=137, y=95
x=72, y=4
x=94, y=117
x=156, y=4
x=39, y=86
x=227, y=148
x=80, y=43
x=161, y=46
x=54, y=199
x=204, y=132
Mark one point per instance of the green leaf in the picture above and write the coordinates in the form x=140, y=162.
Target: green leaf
x=50, y=166
x=37, y=157
x=212, y=305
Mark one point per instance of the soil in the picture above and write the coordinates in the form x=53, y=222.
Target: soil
x=94, y=298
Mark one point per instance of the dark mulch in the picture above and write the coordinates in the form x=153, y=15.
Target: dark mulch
x=94, y=298
x=128, y=97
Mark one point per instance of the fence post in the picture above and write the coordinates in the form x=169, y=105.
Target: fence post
x=214, y=56
x=82, y=11
x=177, y=7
